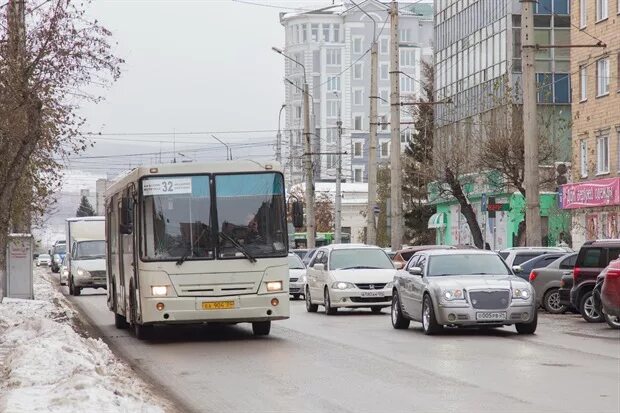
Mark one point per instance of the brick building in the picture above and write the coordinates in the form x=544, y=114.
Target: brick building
x=594, y=194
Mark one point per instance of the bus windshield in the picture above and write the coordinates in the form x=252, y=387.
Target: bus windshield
x=250, y=213
x=177, y=218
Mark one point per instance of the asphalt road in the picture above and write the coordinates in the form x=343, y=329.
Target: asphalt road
x=356, y=362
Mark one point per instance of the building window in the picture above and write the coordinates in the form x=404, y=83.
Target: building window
x=314, y=36
x=602, y=154
x=333, y=56
x=297, y=112
x=385, y=149
x=583, y=157
x=583, y=14
x=553, y=87
x=325, y=36
x=336, y=32
x=405, y=35
x=406, y=84
x=330, y=135
x=357, y=45
x=602, y=77
x=583, y=83
x=357, y=122
x=358, y=174
x=407, y=57
x=358, y=71
x=304, y=32
x=383, y=120
x=385, y=97
x=331, y=160
x=358, y=97
x=384, y=45
x=358, y=148
x=601, y=9
x=333, y=83
x=385, y=71
x=332, y=108
x=405, y=136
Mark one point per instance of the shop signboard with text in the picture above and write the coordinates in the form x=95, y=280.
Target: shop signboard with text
x=597, y=193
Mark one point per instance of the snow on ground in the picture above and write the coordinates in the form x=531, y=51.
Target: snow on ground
x=52, y=368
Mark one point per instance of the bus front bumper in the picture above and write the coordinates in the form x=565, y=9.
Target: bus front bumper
x=239, y=309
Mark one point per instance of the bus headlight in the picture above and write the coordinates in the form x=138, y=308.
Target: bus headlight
x=273, y=286
x=159, y=290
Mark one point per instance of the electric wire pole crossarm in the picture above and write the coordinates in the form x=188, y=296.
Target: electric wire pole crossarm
x=309, y=187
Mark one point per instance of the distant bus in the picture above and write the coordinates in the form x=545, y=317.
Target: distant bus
x=198, y=243
x=322, y=238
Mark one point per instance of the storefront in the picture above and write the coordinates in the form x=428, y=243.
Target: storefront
x=595, y=206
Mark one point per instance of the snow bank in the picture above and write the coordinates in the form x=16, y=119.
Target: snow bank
x=52, y=368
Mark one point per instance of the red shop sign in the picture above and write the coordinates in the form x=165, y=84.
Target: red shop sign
x=601, y=192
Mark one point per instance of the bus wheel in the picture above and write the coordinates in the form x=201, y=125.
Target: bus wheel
x=261, y=328
x=140, y=331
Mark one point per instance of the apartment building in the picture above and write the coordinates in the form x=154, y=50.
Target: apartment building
x=593, y=196
x=477, y=67
x=333, y=44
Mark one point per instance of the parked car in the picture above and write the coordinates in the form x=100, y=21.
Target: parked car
x=566, y=284
x=610, y=294
x=518, y=255
x=297, y=275
x=403, y=255
x=593, y=257
x=300, y=252
x=524, y=270
x=464, y=288
x=308, y=256
x=349, y=275
x=63, y=272
x=43, y=259
x=547, y=282
x=58, y=252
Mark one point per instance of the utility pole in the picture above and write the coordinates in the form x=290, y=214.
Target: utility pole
x=279, y=137
x=338, y=201
x=530, y=135
x=396, y=233
x=310, y=218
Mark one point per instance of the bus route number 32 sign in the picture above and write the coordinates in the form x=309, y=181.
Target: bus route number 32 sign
x=166, y=186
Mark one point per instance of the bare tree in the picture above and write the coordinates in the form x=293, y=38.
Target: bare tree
x=50, y=52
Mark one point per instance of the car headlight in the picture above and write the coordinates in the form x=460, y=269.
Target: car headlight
x=452, y=295
x=522, y=293
x=159, y=290
x=81, y=272
x=273, y=286
x=389, y=285
x=65, y=273
x=341, y=285
x=302, y=279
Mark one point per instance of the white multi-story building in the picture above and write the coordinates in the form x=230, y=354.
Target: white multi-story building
x=333, y=44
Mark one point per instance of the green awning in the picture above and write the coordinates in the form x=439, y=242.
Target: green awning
x=438, y=220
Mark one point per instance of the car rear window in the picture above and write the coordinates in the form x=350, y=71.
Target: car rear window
x=590, y=258
x=504, y=255
x=521, y=258
x=407, y=255
x=568, y=262
x=614, y=253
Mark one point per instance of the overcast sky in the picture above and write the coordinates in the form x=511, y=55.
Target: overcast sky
x=191, y=66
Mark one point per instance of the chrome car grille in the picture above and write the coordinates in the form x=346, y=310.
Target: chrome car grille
x=371, y=286
x=97, y=274
x=490, y=300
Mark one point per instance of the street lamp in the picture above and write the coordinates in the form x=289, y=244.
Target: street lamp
x=228, y=150
x=309, y=195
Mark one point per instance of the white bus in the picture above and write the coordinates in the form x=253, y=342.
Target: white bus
x=198, y=243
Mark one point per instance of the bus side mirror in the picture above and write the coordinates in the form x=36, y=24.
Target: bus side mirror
x=298, y=214
x=126, y=216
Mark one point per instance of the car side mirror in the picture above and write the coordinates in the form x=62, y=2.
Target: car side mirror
x=319, y=267
x=415, y=271
x=517, y=269
x=399, y=265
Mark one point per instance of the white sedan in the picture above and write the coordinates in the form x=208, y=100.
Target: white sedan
x=349, y=275
x=297, y=275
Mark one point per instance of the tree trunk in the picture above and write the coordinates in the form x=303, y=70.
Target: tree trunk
x=466, y=208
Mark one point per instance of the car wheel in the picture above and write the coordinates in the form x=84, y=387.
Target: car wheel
x=528, y=328
x=73, y=290
x=375, y=309
x=311, y=308
x=399, y=321
x=429, y=321
x=613, y=321
x=551, y=302
x=587, y=309
x=329, y=310
x=261, y=328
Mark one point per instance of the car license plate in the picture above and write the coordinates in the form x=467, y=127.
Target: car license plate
x=372, y=294
x=491, y=316
x=218, y=305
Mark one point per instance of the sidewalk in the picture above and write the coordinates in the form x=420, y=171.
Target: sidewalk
x=46, y=365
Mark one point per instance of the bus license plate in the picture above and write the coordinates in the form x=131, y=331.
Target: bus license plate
x=372, y=294
x=491, y=316
x=218, y=305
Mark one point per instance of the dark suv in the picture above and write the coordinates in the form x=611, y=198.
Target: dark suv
x=593, y=257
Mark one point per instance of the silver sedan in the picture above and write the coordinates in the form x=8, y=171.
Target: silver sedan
x=464, y=288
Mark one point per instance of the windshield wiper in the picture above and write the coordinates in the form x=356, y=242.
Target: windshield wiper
x=183, y=258
x=238, y=246
x=361, y=267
